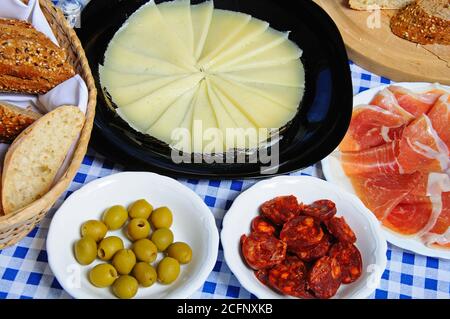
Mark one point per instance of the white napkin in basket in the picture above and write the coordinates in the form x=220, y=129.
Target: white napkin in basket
x=71, y=92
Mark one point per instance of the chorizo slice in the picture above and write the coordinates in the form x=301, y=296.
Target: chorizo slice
x=261, y=225
x=263, y=276
x=289, y=278
x=301, y=232
x=338, y=227
x=349, y=258
x=261, y=250
x=324, y=278
x=280, y=209
x=315, y=252
x=323, y=209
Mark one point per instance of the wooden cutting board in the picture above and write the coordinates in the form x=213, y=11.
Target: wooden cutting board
x=371, y=44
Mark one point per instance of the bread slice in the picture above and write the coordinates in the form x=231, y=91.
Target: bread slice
x=13, y=120
x=36, y=155
x=424, y=22
x=382, y=4
x=29, y=61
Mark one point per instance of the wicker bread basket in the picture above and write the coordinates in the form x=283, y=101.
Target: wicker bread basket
x=14, y=227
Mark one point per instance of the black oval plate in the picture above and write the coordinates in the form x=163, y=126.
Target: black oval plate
x=315, y=132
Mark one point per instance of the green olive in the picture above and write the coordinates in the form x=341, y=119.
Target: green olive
x=94, y=229
x=103, y=275
x=180, y=251
x=161, y=218
x=140, y=209
x=115, y=217
x=125, y=287
x=162, y=238
x=85, y=250
x=145, y=274
x=108, y=247
x=145, y=250
x=138, y=228
x=124, y=261
x=168, y=270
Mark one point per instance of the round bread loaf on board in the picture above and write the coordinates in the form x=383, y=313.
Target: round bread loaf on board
x=36, y=155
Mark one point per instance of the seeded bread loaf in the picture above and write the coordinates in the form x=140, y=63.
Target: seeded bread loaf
x=382, y=4
x=29, y=61
x=36, y=155
x=424, y=22
x=13, y=120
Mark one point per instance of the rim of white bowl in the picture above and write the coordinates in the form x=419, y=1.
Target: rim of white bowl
x=263, y=293
x=213, y=247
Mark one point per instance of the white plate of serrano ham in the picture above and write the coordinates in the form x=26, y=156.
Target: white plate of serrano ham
x=300, y=236
x=395, y=158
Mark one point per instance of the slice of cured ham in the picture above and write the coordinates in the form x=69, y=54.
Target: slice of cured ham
x=421, y=148
x=371, y=126
x=415, y=103
x=386, y=100
x=440, y=118
x=382, y=193
x=418, y=211
x=378, y=160
x=396, y=154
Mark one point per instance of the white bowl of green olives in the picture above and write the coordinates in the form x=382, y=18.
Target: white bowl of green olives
x=132, y=235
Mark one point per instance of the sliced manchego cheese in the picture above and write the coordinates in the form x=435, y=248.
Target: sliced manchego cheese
x=265, y=41
x=113, y=78
x=224, y=26
x=173, y=117
x=264, y=112
x=284, y=52
x=148, y=34
x=205, y=129
x=241, y=136
x=123, y=95
x=121, y=59
x=201, y=15
x=286, y=96
x=251, y=30
x=223, y=78
x=142, y=113
x=177, y=15
x=291, y=74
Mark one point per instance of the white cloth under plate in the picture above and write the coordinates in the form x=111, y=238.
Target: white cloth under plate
x=71, y=92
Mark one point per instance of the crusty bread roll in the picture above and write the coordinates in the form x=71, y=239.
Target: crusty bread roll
x=424, y=22
x=13, y=120
x=36, y=155
x=382, y=4
x=29, y=61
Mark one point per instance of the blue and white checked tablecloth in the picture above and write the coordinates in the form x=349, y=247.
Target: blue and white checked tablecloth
x=25, y=273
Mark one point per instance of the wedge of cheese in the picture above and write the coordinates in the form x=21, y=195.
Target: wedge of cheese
x=113, y=78
x=177, y=16
x=148, y=29
x=251, y=30
x=201, y=15
x=224, y=26
x=286, y=96
x=290, y=74
x=122, y=59
x=282, y=53
x=142, y=113
x=265, y=41
x=123, y=95
x=172, y=118
x=205, y=129
x=264, y=112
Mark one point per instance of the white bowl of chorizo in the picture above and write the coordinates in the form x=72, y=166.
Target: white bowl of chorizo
x=301, y=237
